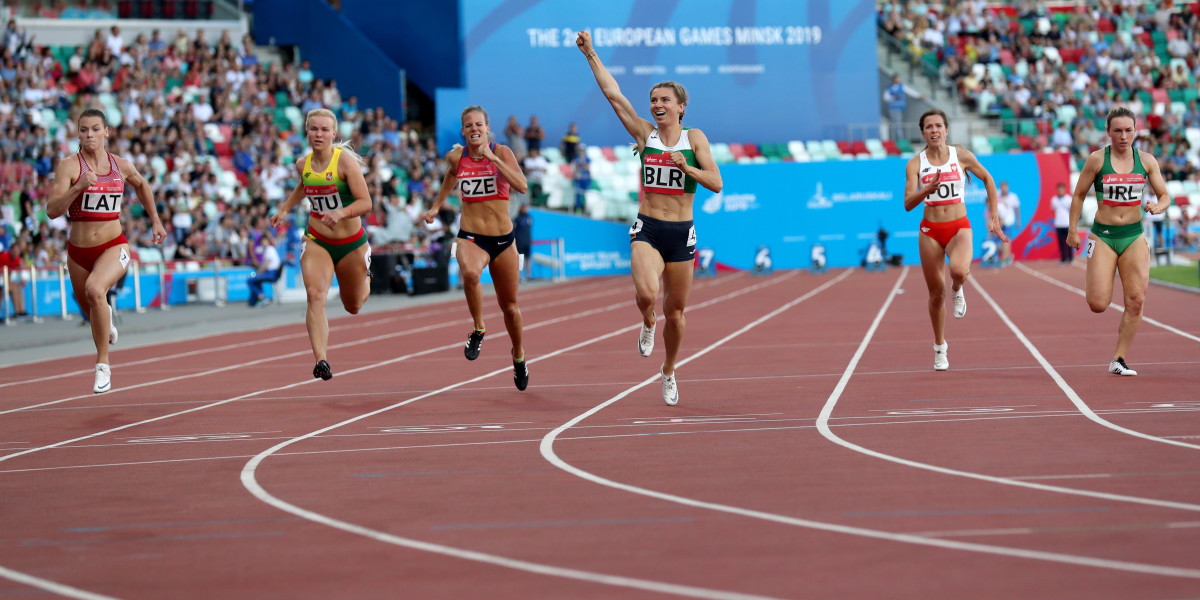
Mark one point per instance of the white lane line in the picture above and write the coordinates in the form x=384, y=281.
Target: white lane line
x=1083, y=293
x=1080, y=405
x=51, y=586
x=547, y=448
x=250, y=482
x=337, y=328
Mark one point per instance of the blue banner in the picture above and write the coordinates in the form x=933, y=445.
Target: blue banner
x=799, y=64
x=840, y=205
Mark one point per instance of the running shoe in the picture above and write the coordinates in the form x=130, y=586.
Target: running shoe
x=112, y=326
x=1118, y=367
x=521, y=374
x=474, y=343
x=670, y=390
x=960, y=304
x=103, y=379
x=646, y=340
x=323, y=371
x=941, y=361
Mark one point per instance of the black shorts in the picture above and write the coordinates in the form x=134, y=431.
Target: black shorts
x=674, y=240
x=492, y=244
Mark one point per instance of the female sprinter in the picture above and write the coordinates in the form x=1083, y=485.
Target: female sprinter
x=662, y=239
x=938, y=178
x=89, y=187
x=1119, y=173
x=331, y=178
x=482, y=174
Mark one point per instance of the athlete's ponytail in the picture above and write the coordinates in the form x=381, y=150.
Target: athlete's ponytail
x=345, y=144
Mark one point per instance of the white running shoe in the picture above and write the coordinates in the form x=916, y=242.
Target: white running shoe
x=960, y=304
x=941, y=361
x=1118, y=367
x=670, y=391
x=112, y=326
x=646, y=340
x=103, y=379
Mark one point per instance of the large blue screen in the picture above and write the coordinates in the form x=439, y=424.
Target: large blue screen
x=756, y=71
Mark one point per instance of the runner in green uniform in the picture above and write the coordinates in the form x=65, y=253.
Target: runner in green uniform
x=662, y=239
x=1119, y=174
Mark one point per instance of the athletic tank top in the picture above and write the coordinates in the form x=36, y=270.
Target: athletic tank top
x=952, y=186
x=1121, y=189
x=659, y=173
x=480, y=180
x=101, y=201
x=326, y=192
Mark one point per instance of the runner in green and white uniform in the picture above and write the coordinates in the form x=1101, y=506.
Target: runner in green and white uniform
x=1119, y=174
x=662, y=239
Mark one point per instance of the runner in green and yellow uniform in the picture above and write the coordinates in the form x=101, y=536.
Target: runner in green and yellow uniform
x=1119, y=174
x=331, y=178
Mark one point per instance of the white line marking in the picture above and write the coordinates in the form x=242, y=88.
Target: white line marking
x=547, y=449
x=250, y=482
x=51, y=586
x=1083, y=293
x=1062, y=383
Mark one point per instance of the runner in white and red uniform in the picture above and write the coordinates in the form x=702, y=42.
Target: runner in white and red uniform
x=937, y=179
x=90, y=188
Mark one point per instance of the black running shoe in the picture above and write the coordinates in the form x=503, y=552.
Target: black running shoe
x=521, y=374
x=322, y=371
x=474, y=343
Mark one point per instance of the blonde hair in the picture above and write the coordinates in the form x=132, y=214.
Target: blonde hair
x=476, y=108
x=344, y=145
x=680, y=93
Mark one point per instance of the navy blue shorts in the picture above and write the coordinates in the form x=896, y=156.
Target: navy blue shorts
x=492, y=244
x=674, y=240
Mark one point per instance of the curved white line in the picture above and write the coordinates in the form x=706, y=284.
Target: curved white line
x=51, y=586
x=1066, y=388
x=250, y=482
x=547, y=449
x=1083, y=293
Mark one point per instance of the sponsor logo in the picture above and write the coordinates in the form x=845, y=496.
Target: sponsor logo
x=818, y=199
x=329, y=177
x=925, y=230
x=730, y=203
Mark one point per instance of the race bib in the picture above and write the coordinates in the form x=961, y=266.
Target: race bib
x=102, y=199
x=691, y=237
x=1123, y=189
x=950, y=187
x=1091, y=247
x=323, y=198
x=477, y=188
x=661, y=175
x=636, y=228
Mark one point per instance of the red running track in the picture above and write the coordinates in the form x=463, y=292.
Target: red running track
x=814, y=453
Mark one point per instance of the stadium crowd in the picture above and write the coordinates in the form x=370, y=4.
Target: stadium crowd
x=1050, y=74
x=215, y=130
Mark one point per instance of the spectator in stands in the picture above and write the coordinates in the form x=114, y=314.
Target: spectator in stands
x=523, y=230
x=1061, y=205
x=16, y=259
x=514, y=137
x=662, y=246
x=269, y=270
x=581, y=169
x=482, y=174
x=536, y=167
x=1061, y=140
x=534, y=134
x=1009, y=207
x=570, y=143
x=1115, y=245
x=332, y=180
x=896, y=96
x=398, y=226
x=91, y=191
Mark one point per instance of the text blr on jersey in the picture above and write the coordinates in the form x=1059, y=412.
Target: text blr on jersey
x=661, y=175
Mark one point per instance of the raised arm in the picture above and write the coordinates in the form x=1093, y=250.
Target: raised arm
x=637, y=127
x=145, y=194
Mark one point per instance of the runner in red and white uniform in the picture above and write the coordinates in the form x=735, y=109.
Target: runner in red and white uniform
x=481, y=174
x=90, y=188
x=937, y=178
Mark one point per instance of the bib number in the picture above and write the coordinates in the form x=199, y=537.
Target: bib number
x=636, y=228
x=1090, y=248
